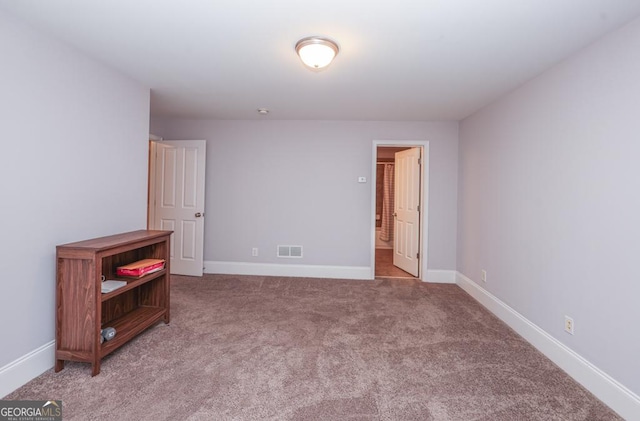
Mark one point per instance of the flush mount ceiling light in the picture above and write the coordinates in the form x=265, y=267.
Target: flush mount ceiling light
x=317, y=52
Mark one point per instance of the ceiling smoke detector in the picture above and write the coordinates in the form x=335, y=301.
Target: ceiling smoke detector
x=263, y=111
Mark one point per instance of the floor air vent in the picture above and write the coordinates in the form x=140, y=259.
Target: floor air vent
x=290, y=251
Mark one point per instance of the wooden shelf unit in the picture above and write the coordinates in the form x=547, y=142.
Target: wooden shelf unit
x=81, y=308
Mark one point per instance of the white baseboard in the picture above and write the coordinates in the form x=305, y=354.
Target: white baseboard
x=274, y=269
x=313, y=271
x=441, y=276
x=26, y=368
x=604, y=387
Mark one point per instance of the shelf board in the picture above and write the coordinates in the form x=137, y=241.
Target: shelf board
x=131, y=324
x=132, y=283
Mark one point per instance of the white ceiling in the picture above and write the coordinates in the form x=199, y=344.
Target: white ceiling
x=398, y=60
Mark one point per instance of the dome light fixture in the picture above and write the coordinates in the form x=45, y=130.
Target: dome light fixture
x=317, y=52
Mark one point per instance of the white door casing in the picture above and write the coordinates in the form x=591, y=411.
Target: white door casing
x=406, y=244
x=178, y=201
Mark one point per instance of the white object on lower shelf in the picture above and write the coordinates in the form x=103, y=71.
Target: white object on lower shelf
x=111, y=285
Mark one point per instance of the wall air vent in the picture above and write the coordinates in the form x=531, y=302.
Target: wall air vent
x=290, y=251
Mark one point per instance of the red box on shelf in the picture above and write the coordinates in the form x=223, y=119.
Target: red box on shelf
x=140, y=268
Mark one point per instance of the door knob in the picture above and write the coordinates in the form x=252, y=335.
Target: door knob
x=198, y=215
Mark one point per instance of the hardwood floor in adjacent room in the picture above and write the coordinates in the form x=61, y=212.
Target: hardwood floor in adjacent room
x=385, y=267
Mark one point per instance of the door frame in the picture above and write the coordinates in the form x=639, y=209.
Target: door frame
x=151, y=184
x=424, y=200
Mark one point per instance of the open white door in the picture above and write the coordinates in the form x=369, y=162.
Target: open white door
x=178, y=202
x=406, y=245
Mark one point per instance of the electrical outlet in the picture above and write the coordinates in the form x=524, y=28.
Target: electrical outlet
x=483, y=275
x=568, y=325
x=254, y=251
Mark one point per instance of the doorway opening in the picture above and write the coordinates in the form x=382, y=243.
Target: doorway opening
x=399, y=197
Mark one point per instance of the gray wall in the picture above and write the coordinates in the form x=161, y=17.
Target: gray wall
x=73, y=166
x=295, y=182
x=549, y=202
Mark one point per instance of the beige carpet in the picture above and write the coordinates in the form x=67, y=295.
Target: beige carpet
x=257, y=348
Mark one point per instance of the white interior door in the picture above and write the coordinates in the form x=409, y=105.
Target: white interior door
x=179, y=201
x=406, y=245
